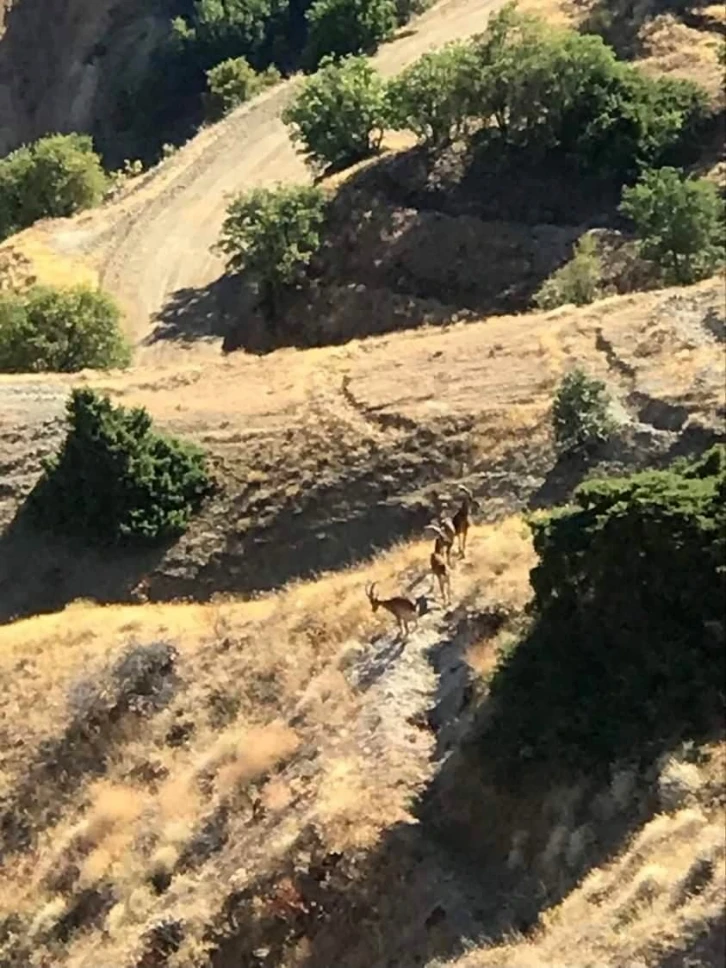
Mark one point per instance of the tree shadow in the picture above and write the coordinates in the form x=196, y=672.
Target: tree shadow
x=40, y=573
x=208, y=312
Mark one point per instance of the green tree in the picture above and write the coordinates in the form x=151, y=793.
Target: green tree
x=581, y=413
x=116, y=481
x=55, y=177
x=341, y=27
x=61, y=330
x=548, y=89
x=578, y=281
x=221, y=29
x=272, y=233
x=626, y=651
x=679, y=221
x=339, y=114
x=233, y=82
x=433, y=97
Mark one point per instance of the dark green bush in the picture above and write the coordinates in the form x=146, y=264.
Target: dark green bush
x=547, y=89
x=116, y=481
x=581, y=413
x=340, y=113
x=337, y=28
x=626, y=653
x=52, y=178
x=61, y=330
x=272, y=233
x=433, y=96
x=680, y=223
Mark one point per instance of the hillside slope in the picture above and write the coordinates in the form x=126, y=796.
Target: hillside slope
x=157, y=240
x=326, y=455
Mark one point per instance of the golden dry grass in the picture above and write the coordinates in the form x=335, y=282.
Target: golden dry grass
x=665, y=893
x=262, y=698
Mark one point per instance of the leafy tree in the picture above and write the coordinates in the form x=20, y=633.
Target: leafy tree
x=52, y=178
x=233, y=82
x=548, y=89
x=61, y=330
x=340, y=113
x=340, y=27
x=680, y=222
x=581, y=413
x=221, y=29
x=116, y=481
x=433, y=97
x=579, y=281
x=625, y=655
x=272, y=233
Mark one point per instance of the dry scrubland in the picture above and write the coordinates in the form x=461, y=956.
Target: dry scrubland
x=263, y=782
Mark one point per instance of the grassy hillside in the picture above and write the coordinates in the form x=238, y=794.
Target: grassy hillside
x=212, y=752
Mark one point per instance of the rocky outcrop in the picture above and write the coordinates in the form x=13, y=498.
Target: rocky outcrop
x=63, y=62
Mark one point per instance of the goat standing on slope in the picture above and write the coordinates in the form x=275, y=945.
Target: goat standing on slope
x=440, y=567
x=403, y=609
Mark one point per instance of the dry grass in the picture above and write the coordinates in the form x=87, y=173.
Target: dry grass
x=665, y=892
x=239, y=746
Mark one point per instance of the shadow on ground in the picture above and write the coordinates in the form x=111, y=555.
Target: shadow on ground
x=193, y=314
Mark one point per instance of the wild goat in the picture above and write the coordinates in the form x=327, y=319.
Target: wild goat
x=462, y=519
x=403, y=609
x=440, y=567
x=446, y=524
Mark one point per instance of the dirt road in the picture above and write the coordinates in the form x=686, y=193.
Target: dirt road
x=158, y=240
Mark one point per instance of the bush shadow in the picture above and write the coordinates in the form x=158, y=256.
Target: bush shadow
x=40, y=573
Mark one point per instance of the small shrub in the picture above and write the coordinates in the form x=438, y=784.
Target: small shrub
x=115, y=480
x=60, y=330
x=272, y=233
x=233, y=82
x=433, y=97
x=579, y=281
x=337, y=28
x=679, y=221
x=55, y=177
x=581, y=413
x=340, y=113
x=620, y=662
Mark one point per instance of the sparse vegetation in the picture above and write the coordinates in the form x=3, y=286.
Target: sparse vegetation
x=339, y=115
x=579, y=281
x=626, y=651
x=233, y=82
x=54, y=177
x=581, y=417
x=680, y=223
x=337, y=28
x=117, y=481
x=272, y=234
x=62, y=330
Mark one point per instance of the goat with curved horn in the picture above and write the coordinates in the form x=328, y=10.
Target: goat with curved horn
x=403, y=609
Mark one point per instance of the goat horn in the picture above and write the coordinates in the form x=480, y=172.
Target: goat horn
x=465, y=490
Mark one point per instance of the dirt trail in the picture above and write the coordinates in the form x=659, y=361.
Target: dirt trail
x=158, y=240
